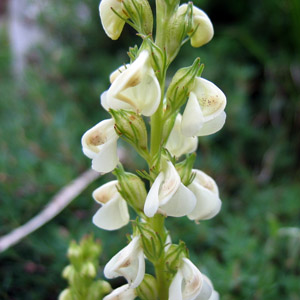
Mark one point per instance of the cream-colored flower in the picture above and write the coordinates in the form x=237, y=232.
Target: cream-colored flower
x=114, y=211
x=189, y=283
x=129, y=262
x=208, y=290
x=100, y=144
x=168, y=195
x=134, y=87
x=124, y=292
x=178, y=144
x=202, y=30
x=204, y=112
x=208, y=203
x=111, y=22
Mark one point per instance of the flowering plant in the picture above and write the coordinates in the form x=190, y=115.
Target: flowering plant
x=137, y=92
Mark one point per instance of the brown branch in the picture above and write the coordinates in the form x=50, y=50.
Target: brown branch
x=55, y=206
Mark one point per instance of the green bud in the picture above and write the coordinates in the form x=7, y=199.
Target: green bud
x=179, y=24
x=131, y=127
x=105, y=286
x=158, y=57
x=180, y=86
x=184, y=169
x=68, y=272
x=88, y=270
x=153, y=245
x=75, y=253
x=65, y=295
x=174, y=255
x=131, y=188
x=147, y=290
x=140, y=13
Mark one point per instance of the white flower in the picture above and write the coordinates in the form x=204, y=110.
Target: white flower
x=189, y=283
x=129, y=262
x=134, y=87
x=168, y=195
x=202, y=24
x=124, y=292
x=204, y=112
x=178, y=144
x=100, y=144
x=112, y=23
x=207, y=194
x=114, y=211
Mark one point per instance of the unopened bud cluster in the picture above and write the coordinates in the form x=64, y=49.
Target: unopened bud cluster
x=82, y=270
x=191, y=107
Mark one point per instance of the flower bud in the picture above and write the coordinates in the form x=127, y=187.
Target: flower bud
x=139, y=11
x=68, y=273
x=153, y=245
x=88, y=270
x=184, y=169
x=131, y=188
x=112, y=17
x=147, y=290
x=65, y=295
x=202, y=29
x=180, y=86
x=131, y=127
x=74, y=253
x=174, y=255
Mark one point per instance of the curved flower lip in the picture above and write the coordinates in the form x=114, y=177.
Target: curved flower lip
x=179, y=144
x=208, y=203
x=100, y=144
x=168, y=195
x=204, y=112
x=114, y=211
x=189, y=283
x=123, y=292
x=112, y=23
x=129, y=262
x=131, y=87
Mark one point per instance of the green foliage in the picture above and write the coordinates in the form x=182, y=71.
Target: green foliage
x=254, y=58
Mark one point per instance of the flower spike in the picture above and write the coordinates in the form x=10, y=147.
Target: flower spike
x=114, y=211
x=100, y=144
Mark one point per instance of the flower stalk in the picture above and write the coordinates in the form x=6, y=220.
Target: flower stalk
x=176, y=189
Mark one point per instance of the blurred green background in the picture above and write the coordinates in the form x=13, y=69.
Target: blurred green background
x=254, y=58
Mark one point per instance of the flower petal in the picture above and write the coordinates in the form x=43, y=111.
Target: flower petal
x=175, y=289
x=213, y=125
x=100, y=144
x=211, y=99
x=112, y=215
x=152, y=200
x=124, y=292
x=206, y=191
x=192, y=119
x=112, y=24
x=177, y=143
x=180, y=204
